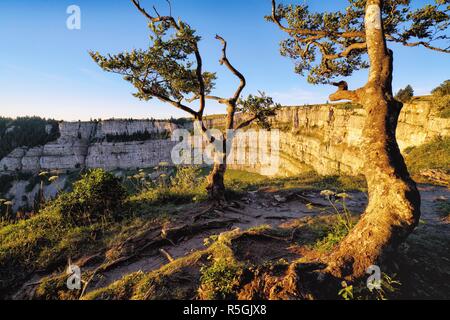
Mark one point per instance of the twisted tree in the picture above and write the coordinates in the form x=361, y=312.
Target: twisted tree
x=171, y=70
x=256, y=108
x=334, y=44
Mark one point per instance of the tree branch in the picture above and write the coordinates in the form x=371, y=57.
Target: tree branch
x=416, y=44
x=319, y=33
x=227, y=63
x=169, y=19
x=246, y=123
x=343, y=93
x=198, y=57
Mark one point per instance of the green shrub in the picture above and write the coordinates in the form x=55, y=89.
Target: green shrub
x=389, y=286
x=443, y=89
x=218, y=280
x=405, y=95
x=442, y=105
x=96, y=196
x=441, y=99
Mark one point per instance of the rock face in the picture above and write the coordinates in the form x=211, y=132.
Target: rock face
x=326, y=137
x=84, y=145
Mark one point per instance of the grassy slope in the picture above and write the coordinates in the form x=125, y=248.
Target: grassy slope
x=46, y=241
x=433, y=155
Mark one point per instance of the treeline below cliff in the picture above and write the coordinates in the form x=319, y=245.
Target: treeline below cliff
x=26, y=132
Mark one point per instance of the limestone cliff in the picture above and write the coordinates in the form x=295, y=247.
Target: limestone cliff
x=85, y=145
x=326, y=137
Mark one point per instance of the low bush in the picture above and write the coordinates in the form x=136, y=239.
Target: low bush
x=441, y=99
x=405, y=95
x=95, y=197
x=186, y=184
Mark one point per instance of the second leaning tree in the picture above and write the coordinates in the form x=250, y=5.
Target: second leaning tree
x=171, y=70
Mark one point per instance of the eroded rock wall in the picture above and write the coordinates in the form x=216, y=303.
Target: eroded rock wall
x=326, y=137
x=84, y=145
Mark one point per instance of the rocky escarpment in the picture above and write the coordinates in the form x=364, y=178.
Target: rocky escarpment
x=329, y=139
x=326, y=137
x=85, y=145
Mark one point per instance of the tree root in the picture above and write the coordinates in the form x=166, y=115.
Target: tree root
x=152, y=239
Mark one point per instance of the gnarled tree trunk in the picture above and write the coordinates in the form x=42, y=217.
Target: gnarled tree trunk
x=394, y=201
x=216, y=184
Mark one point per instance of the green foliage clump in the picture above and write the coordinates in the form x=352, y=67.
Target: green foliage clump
x=432, y=155
x=45, y=241
x=388, y=286
x=55, y=288
x=219, y=280
x=139, y=136
x=405, y=95
x=22, y=244
x=96, y=196
x=186, y=184
x=261, y=107
x=25, y=132
x=441, y=99
x=342, y=226
x=321, y=51
x=442, y=90
x=167, y=69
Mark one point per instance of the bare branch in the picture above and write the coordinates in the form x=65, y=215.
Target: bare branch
x=200, y=80
x=218, y=99
x=156, y=11
x=227, y=63
x=159, y=18
x=246, y=123
x=170, y=7
x=343, y=93
x=345, y=53
x=416, y=44
x=176, y=104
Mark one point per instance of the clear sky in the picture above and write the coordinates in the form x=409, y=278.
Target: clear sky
x=45, y=68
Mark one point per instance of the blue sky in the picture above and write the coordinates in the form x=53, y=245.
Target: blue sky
x=45, y=68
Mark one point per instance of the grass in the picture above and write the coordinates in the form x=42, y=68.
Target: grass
x=244, y=181
x=341, y=224
x=442, y=104
x=47, y=240
x=433, y=155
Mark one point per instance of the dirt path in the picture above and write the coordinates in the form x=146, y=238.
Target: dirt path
x=274, y=208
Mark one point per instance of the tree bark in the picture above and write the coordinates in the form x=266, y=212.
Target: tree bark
x=393, y=211
x=216, y=184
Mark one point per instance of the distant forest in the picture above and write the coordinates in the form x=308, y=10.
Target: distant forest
x=25, y=132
